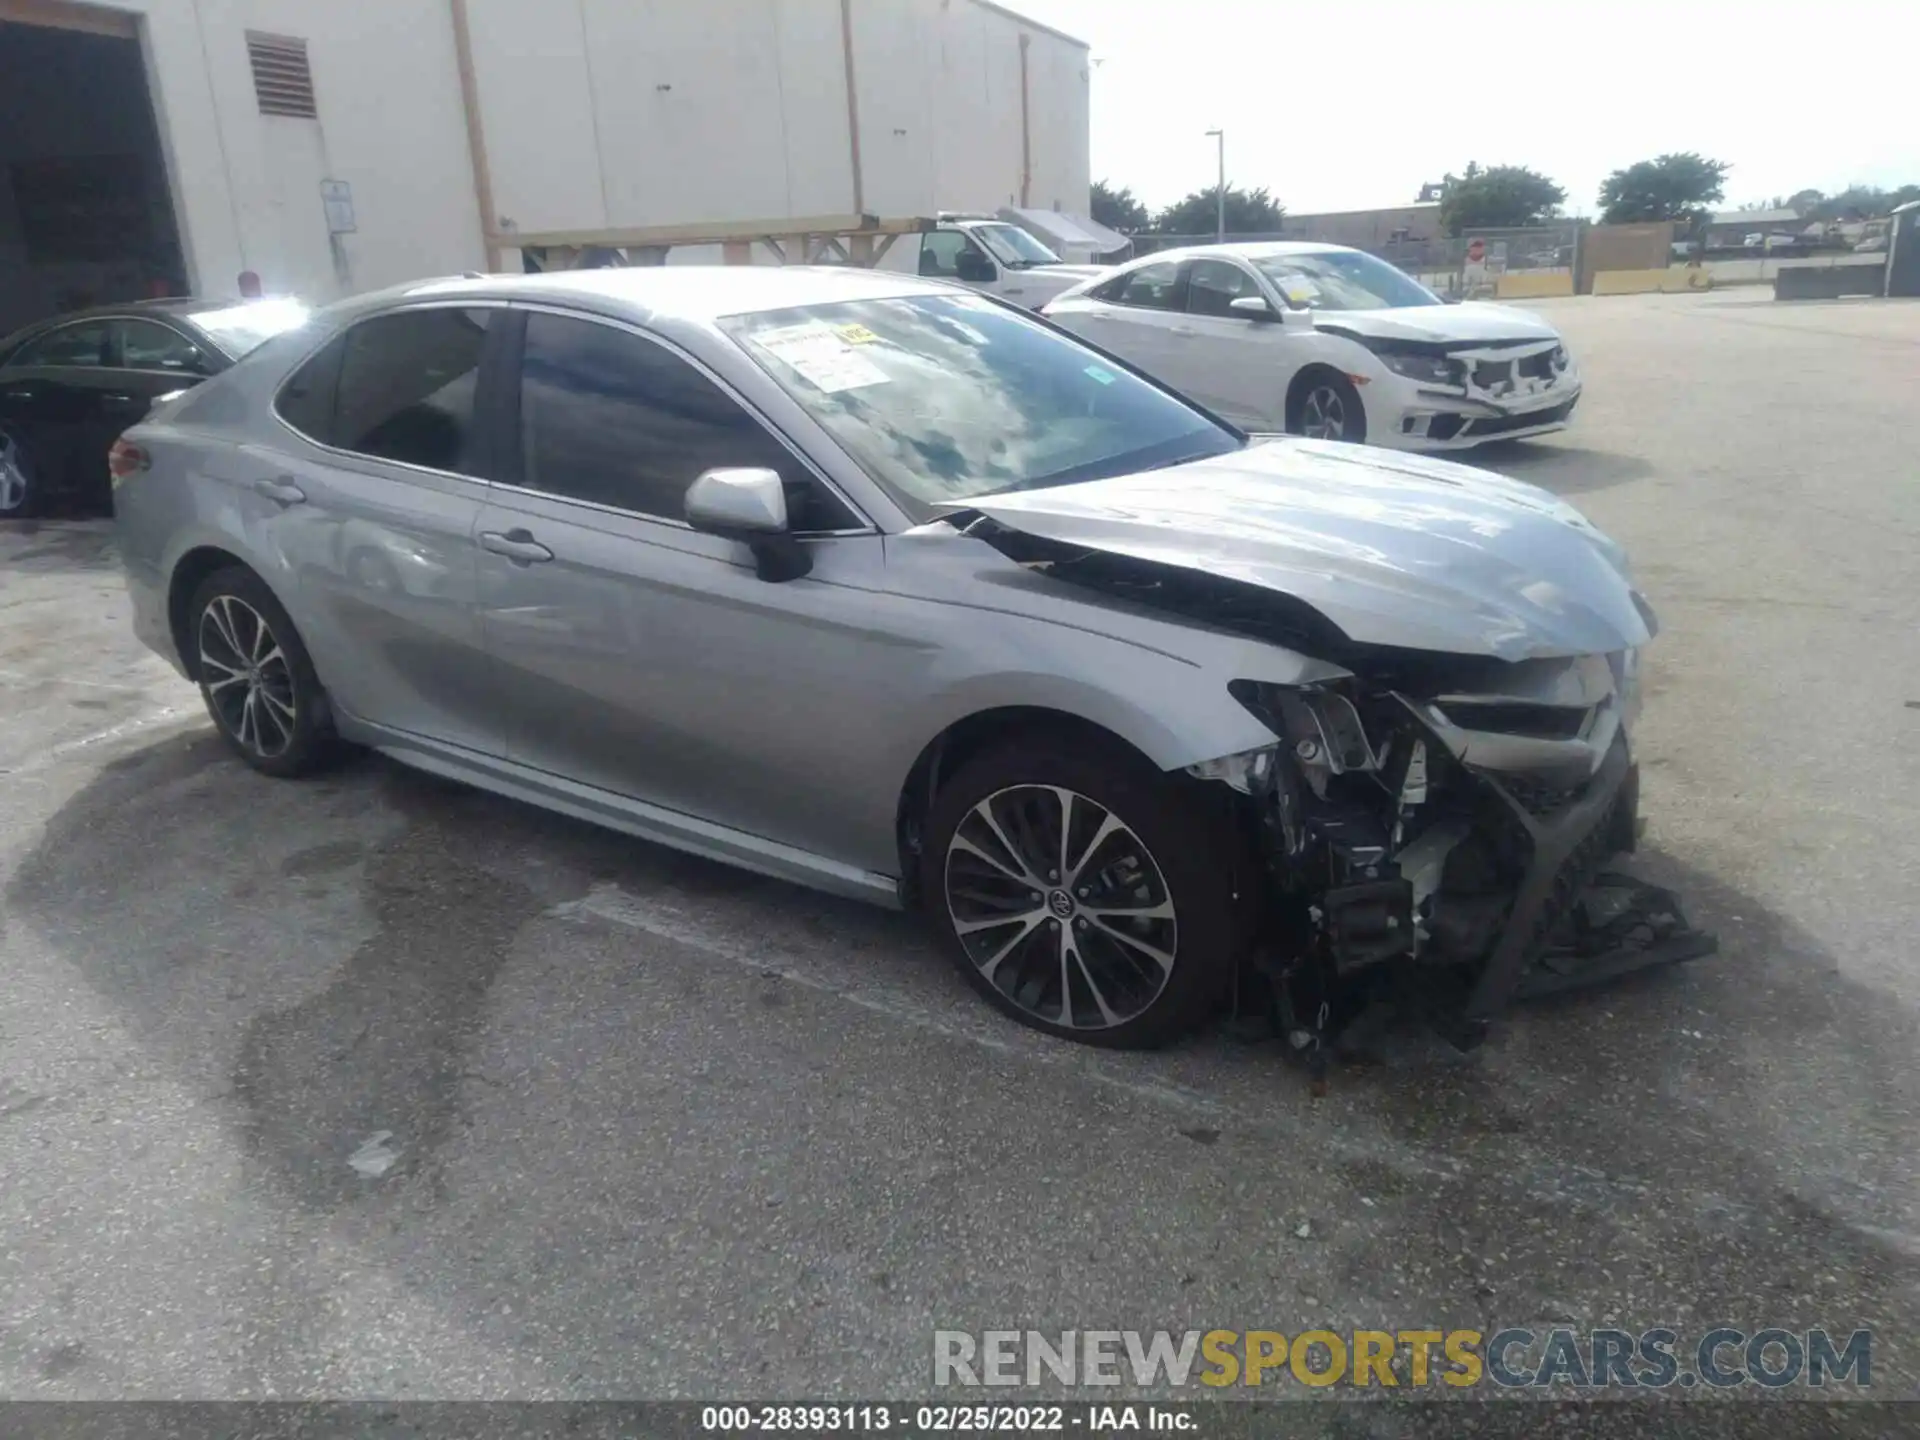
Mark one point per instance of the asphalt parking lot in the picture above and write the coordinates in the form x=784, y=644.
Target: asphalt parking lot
x=657, y=1128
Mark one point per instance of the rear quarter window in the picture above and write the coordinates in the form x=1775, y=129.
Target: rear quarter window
x=305, y=401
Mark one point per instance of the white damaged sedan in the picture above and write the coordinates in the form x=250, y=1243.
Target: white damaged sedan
x=1327, y=342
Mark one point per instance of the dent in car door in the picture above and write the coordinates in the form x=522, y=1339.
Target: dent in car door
x=377, y=528
x=642, y=658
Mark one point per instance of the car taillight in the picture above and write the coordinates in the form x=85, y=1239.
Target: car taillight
x=125, y=460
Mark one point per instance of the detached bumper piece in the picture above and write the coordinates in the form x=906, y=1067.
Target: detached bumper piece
x=1642, y=929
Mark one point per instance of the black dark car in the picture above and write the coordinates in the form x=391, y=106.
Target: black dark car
x=70, y=385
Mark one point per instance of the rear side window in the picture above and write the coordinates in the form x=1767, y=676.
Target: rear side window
x=82, y=346
x=306, y=401
x=397, y=387
x=1151, y=287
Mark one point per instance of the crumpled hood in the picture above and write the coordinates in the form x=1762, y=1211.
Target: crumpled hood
x=1394, y=549
x=1442, y=323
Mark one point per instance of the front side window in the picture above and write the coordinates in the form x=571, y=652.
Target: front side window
x=80, y=346
x=146, y=345
x=1343, y=280
x=1151, y=287
x=940, y=253
x=949, y=397
x=406, y=388
x=1213, y=286
x=610, y=417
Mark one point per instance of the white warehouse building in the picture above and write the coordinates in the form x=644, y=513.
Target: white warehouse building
x=333, y=146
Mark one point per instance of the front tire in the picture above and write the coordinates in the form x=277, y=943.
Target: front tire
x=1327, y=406
x=1081, y=892
x=19, y=483
x=256, y=676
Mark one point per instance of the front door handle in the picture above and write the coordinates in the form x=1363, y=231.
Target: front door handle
x=115, y=397
x=280, y=488
x=518, y=546
x=1184, y=330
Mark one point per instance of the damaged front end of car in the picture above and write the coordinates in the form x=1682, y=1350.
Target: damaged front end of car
x=1443, y=850
x=1432, y=831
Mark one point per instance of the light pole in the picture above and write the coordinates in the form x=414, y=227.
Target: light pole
x=1220, y=195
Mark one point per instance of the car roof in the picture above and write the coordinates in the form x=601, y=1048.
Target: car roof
x=1244, y=250
x=182, y=307
x=692, y=293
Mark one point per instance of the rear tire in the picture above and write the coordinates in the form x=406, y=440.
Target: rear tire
x=1123, y=932
x=256, y=676
x=19, y=483
x=1327, y=406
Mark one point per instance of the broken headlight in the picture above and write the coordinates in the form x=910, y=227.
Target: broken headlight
x=1249, y=772
x=1428, y=369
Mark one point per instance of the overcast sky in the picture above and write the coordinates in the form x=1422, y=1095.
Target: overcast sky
x=1346, y=104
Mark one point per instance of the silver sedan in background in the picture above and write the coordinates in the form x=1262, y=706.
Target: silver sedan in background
x=890, y=589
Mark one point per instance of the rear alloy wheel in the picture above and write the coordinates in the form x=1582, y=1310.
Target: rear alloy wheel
x=1329, y=408
x=1080, y=898
x=255, y=676
x=19, y=494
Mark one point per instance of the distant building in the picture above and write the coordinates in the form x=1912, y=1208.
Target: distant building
x=328, y=148
x=1730, y=228
x=1367, y=229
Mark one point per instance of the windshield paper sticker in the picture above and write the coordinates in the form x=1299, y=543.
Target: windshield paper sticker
x=822, y=358
x=1105, y=377
x=855, y=334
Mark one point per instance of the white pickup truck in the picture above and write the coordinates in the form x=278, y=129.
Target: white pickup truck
x=990, y=254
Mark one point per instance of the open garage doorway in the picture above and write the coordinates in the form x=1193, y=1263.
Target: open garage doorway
x=86, y=215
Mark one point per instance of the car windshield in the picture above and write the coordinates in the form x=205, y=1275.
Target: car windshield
x=1342, y=280
x=239, y=329
x=950, y=397
x=1014, y=247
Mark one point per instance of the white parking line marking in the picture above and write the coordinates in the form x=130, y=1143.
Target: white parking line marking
x=607, y=902
x=55, y=754
x=19, y=678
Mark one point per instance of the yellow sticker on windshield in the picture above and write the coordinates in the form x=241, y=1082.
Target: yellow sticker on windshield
x=855, y=334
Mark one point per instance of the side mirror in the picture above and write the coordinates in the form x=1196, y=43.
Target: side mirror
x=970, y=264
x=749, y=504
x=1251, y=307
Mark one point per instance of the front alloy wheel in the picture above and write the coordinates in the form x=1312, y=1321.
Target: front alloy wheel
x=1323, y=414
x=1061, y=906
x=1083, y=892
x=248, y=679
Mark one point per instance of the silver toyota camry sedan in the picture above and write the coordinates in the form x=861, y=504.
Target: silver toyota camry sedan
x=885, y=587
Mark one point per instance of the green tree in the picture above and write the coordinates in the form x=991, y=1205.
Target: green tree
x=1502, y=197
x=1249, y=212
x=1669, y=187
x=1118, y=209
x=1863, y=202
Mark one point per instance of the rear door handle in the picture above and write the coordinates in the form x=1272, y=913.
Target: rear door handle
x=114, y=397
x=1184, y=330
x=518, y=546
x=280, y=488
